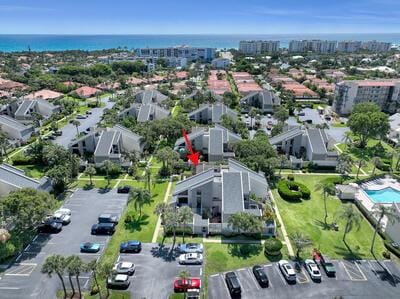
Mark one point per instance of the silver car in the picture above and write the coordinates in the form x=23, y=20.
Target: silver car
x=127, y=268
x=191, y=259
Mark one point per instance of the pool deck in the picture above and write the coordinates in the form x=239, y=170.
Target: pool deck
x=376, y=185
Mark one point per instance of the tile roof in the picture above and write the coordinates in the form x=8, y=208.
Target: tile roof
x=44, y=94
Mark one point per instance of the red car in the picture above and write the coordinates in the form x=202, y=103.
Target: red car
x=184, y=284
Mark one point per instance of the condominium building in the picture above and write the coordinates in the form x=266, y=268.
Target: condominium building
x=255, y=47
x=349, y=46
x=190, y=53
x=385, y=93
x=375, y=46
x=317, y=46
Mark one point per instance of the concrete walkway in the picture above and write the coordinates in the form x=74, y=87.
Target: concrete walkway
x=285, y=235
x=158, y=225
x=233, y=241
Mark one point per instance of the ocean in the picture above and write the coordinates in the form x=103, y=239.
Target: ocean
x=15, y=43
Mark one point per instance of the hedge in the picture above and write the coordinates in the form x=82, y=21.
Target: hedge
x=291, y=190
x=273, y=246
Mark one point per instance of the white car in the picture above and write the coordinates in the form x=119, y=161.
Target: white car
x=62, y=218
x=64, y=211
x=287, y=270
x=126, y=268
x=312, y=269
x=191, y=259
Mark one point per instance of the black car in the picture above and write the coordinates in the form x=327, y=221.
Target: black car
x=130, y=246
x=103, y=229
x=108, y=218
x=124, y=189
x=261, y=276
x=233, y=284
x=49, y=227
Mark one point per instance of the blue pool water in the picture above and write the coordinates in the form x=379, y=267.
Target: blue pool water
x=386, y=195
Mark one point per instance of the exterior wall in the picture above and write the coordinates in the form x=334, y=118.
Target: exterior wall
x=86, y=145
x=393, y=230
x=14, y=133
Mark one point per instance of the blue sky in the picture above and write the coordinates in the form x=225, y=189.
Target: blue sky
x=205, y=16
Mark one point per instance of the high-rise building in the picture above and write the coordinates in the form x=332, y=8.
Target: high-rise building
x=385, y=93
x=190, y=53
x=375, y=46
x=255, y=47
x=316, y=46
x=349, y=46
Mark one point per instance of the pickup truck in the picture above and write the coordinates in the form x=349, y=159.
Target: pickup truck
x=325, y=262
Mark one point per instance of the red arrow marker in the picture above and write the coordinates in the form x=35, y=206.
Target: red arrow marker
x=193, y=156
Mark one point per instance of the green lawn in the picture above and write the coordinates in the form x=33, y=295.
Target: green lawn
x=33, y=171
x=140, y=228
x=225, y=257
x=96, y=184
x=308, y=216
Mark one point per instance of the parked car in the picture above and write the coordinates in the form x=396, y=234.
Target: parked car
x=261, y=276
x=90, y=247
x=232, y=282
x=51, y=137
x=190, y=248
x=287, y=270
x=130, y=246
x=191, y=259
x=124, y=189
x=88, y=112
x=57, y=133
x=103, y=229
x=49, y=227
x=127, y=268
x=312, y=269
x=118, y=281
x=182, y=284
x=108, y=218
x=80, y=116
x=193, y=294
x=64, y=219
x=324, y=262
x=64, y=211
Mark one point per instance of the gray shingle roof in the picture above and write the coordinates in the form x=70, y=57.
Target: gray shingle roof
x=316, y=140
x=236, y=166
x=16, y=177
x=104, y=146
x=144, y=113
x=228, y=135
x=10, y=122
x=24, y=107
x=194, y=134
x=193, y=181
x=232, y=201
x=216, y=146
x=286, y=136
x=150, y=96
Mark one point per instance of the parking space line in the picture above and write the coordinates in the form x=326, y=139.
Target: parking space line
x=253, y=279
x=9, y=288
x=225, y=286
x=359, y=269
x=280, y=274
x=351, y=271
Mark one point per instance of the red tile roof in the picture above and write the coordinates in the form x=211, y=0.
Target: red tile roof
x=87, y=91
x=44, y=94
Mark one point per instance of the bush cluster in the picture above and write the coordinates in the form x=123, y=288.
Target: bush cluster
x=273, y=246
x=291, y=190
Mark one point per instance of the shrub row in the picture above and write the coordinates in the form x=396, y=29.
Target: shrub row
x=291, y=190
x=273, y=246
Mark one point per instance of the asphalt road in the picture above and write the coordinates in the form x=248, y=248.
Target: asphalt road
x=361, y=279
x=24, y=280
x=156, y=271
x=69, y=131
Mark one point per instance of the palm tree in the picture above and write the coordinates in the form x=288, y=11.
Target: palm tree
x=360, y=163
x=93, y=267
x=55, y=264
x=326, y=189
x=282, y=160
x=90, y=171
x=345, y=163
x=184, y=275
x=185, y=216
x=4, y=144
x=347, y=138
x=147, y=174
x=376, y=161
x=352, y=218
x=105, y=270
x=107, y=166
x=160, y=210
x=76, y=123
x=140, y=197
x=379, y=212
x=74, y=267
x=68, y=262
x=300, y=241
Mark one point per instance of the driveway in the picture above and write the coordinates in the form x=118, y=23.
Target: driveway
x=156, y=271
x=69, y=131
x=24, y=280
x=361, y=279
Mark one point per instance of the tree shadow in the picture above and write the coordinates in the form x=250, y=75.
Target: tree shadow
x=244, y=251
x=103, y=190
x=136, y=223
x=347, y=253
x=87, y=187
x=164, y=252
x=322, y=224
x=384, y=274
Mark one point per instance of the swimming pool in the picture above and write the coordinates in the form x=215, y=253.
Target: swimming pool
x=385, y=195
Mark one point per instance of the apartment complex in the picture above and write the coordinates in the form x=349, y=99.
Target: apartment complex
x=349, y=93
x=190, y=53
x=255, y=47
x=375, y=46
x=349, y=46
x=317, y=46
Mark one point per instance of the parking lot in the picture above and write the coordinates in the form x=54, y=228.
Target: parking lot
x=24, y=280
x=156, y=271
x=362, y=279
